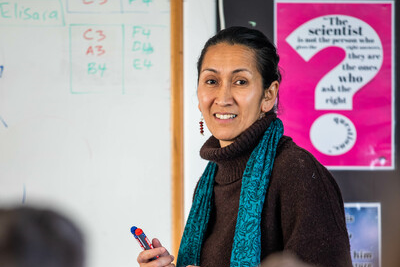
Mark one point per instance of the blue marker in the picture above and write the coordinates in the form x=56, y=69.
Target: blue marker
x=142, y=239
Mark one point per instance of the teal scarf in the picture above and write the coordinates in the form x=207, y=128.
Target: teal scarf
x=246, y=249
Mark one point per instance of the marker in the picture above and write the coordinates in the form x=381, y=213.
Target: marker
x=142, y=239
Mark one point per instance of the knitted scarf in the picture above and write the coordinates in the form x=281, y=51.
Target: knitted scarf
x=246, y=249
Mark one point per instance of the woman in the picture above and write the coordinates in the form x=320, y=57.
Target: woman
x=260, y=193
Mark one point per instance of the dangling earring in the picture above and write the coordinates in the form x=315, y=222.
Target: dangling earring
x=201, y=125
x=262, y=115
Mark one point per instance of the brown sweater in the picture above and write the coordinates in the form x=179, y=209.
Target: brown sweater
x=303, y=211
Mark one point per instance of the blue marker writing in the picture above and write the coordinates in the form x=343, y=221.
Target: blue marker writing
x=4, y=123
x=142, y=239
x=1, y=70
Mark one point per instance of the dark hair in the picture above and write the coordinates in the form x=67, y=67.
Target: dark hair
x=31, y=237
x=265, y=52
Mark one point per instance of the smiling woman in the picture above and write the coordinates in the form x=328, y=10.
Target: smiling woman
x=230, y=92
x=260, y=192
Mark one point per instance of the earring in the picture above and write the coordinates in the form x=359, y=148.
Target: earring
x=201, y=125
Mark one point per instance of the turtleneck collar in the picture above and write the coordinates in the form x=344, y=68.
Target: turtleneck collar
x=232, y=159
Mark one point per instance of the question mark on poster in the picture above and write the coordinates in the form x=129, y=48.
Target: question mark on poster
x=333, y=133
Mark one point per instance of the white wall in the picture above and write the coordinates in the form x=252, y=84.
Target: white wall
x=200, y=24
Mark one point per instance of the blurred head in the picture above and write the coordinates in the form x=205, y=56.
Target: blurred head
x=238, y=81
x=39, y=238
x=284, y=259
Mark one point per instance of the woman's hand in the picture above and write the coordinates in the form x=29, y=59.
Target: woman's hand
x=164, y=258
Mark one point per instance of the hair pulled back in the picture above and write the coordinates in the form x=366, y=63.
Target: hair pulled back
x=265, y=52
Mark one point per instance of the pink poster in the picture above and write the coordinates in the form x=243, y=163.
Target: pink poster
x=337, y=91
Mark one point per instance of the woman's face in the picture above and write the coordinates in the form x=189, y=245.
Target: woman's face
x=230, y=92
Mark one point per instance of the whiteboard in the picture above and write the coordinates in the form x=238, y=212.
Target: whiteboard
x=85, y=117
x=200, y=25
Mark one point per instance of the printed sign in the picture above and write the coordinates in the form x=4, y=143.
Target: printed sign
x=363, y=222
x=336, y=96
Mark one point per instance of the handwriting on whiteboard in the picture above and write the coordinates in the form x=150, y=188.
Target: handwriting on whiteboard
x=4, y=123
x=111, y=58
x=123, y=6
x=32, y=13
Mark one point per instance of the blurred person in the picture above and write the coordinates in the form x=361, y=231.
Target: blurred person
x=284, y=259
x=33, y=237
